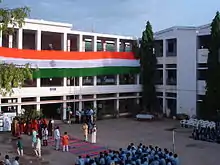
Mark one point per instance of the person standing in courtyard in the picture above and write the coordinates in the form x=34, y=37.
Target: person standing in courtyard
x=20, y=150
x=94, y=131
x=45, y=135
x=85, y=131
x=65, y=142
x=34, y=137
x=38, y=147
x=57, y=138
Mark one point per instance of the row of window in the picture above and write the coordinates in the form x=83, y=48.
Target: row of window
x=109, y=47
x=125, y=79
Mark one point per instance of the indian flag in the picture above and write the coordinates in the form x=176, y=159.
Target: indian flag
x=72, y=64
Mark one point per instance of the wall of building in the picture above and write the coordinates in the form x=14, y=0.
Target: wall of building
x=186, y=71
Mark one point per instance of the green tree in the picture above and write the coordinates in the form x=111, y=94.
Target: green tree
x=148, y=62
x=10, y=74
x=211, y=103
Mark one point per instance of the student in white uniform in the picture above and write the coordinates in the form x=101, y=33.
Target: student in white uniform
x=38, y=147
x=94, y=131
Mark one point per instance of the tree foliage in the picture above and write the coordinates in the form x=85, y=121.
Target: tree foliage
x=14, y=17
x=12, y=75
x=148, y=62
x=211, y=103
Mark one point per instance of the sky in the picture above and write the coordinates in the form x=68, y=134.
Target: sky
x=124, y=17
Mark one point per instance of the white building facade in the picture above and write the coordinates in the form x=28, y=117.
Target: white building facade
x=182, y=54
x=112, y=93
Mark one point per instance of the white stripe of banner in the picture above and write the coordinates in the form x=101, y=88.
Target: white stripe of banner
x=73, y=63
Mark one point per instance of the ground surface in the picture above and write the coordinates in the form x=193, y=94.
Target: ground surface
x=116, y=133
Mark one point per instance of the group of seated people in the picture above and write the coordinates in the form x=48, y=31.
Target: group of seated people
x=8, y=161
x=207, y=134
x=133, y=155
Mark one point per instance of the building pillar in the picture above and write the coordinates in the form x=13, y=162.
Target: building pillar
x=64, y=108
x=95, y=102
x=80, y=103
x=1, y=38
x=94, y=80
x=138, y=99
x=64, y=42
x=117, y=105
x=10, y=41
x=117, y=79
x=38, y=83
x=104, y=44
x=20, y=38
x=19, y=106
x=164, y=76
x=80, y=82
x=38, y=40
x=38, y=103
x=94, y=43
x=0, y=105
x=117, y=45
x=68, y=45
x=138, y=79
x=80, y=43
x=65, y=81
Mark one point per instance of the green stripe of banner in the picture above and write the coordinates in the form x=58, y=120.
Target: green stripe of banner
x=77, y=72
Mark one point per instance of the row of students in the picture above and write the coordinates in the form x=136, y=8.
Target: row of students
x=206, y=134
x=7, y=161
x=140, y=155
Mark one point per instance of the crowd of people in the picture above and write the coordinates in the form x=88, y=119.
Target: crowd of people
x=133, y=155
x=207, y=133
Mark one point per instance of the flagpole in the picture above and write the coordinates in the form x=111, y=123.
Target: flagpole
x=173, y=140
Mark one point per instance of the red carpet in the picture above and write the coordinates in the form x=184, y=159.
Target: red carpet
x=80, y=147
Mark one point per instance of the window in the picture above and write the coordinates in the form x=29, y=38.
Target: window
x=126, y=94
x=201, y=74
x=159, y=94
x=88, y=46
x=171, y=95
x=51, y=82
x=159, y=77
x=72, y=81
x=89, y=81
x=170, y=47
x=106, y=95
x=171, y=77
x=30, y=83
x=202, y=65
x=107, y=80
x=159, y=66
x=127, y=79
x=170, y=65
x=28, y=99
x=200, y=97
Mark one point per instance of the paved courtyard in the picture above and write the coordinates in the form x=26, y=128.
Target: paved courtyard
x=116, y=133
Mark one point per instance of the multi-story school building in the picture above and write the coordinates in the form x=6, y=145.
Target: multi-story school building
x=100, y=71
x=74, y=68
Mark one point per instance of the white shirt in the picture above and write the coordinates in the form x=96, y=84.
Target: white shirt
x=15, y=163
x=56, y=134
x=7, y=162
